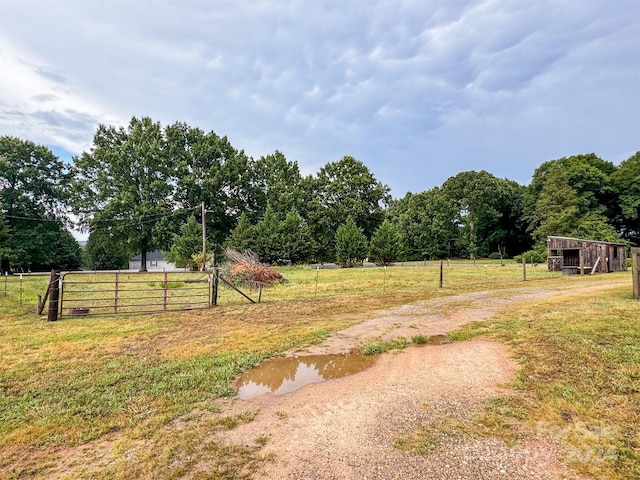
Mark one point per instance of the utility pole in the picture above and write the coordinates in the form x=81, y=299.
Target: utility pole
x=204, y=240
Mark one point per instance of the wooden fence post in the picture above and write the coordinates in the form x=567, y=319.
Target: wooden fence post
x=54, y=293
x=635, y=269
x=441, y=272
x=524, y=268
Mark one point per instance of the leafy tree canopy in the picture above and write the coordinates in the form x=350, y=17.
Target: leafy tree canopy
x=342, y=189
x=588, y=175
x=124, y=185
x=102, y=253
x=278, y=183
x=426, y=221
x=33, y=205
x=484, y=210
x=210, y=170
x=277, y=240
x=626, y=182
x=556, y=210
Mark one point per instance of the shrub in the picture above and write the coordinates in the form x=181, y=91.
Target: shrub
x=534, y=256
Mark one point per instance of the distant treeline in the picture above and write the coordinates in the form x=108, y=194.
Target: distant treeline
x=141, y=188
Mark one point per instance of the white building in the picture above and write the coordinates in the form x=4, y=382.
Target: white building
x=155, y=261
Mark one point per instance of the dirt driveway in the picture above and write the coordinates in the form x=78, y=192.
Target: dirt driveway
x=346, y=428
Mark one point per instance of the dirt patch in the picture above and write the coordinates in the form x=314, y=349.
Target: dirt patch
x=346, y=428
x=437, y=317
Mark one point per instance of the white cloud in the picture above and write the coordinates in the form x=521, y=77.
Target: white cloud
x=409, y=87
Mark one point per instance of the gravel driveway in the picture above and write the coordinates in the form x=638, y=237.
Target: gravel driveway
x=346, y=428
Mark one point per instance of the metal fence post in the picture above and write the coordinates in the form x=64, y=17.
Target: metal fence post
x=166, y=286
x=214, y=287
x=115, y=304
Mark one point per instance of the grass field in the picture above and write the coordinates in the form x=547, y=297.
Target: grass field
x=67, y=386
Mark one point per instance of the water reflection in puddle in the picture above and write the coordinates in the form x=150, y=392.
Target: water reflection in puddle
x=283, y=375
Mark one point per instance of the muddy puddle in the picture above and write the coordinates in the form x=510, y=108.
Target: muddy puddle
x=283, y=375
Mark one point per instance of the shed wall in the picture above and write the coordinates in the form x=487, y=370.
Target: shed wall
x=566, y=252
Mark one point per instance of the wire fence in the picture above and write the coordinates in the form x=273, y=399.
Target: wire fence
x=108, y=293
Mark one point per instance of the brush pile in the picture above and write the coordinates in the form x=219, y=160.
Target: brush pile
x=248, y=270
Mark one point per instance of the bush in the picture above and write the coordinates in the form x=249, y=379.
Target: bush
x=532, y=256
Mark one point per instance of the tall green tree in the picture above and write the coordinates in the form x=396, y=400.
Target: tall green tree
x=275, y=239
x=351, y=244
x=593, y=211
x=187, y=245
x=102, y=253
x=427, y=224
x=480, y=201
x=33, y=198
x=556, y=210
x=278, y=183
x=125, y=185
x=386, y=244
x=594, y=226
x=266, y=240
x=66, y=253
x=5, y=248
x=297, y=244
x=342, y=189
x=210, y=170
x=241, y=237
x=626, y=182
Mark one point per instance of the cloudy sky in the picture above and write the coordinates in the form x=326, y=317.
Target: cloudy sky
x=417, y=90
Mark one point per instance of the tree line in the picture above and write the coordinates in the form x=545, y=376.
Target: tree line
x=140, y=188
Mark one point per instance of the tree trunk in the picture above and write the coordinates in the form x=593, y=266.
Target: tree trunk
x=143, y=255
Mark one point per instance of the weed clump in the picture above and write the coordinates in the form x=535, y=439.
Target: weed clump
x=419, y=339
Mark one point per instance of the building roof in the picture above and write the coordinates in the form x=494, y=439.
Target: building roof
x=155, y=256
x=587, y=240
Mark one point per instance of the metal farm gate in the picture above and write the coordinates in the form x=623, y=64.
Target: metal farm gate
x=112, y=293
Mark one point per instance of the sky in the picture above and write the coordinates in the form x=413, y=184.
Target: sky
x=419, y=91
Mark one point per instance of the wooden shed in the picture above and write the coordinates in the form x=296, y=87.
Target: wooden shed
x=572, y=254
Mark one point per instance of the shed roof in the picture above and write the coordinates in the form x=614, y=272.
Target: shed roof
x=585, y=240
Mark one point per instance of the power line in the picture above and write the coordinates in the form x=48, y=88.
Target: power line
x=17, y=217
x=113, y=221
x=145, y=220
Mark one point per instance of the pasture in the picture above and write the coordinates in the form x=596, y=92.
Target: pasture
x=101, y=387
